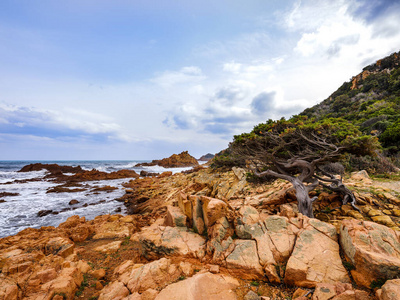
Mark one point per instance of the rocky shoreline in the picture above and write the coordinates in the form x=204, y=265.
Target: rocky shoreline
x=209, y=235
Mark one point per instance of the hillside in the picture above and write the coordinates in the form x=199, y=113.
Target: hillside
x=361, y=118
x=370, y=100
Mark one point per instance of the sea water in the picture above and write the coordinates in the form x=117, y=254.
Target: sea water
x=21, y=211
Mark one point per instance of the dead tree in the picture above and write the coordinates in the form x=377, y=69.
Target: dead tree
x=294, y=150
x=305, y=153
x=304, y=202
x=295, y=159
x=336, y=185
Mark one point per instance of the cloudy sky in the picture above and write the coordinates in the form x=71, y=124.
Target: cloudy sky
x=133, y=79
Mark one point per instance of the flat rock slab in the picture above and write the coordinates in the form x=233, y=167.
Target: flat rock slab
x=109, y=248
x=373, y=249
x=315, y=257
x=243, y=262
x=201, y=286
x=170, y=240
x=153, y=275
x=114, y=229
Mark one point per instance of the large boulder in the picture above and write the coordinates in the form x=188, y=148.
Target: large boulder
x=213, y=210
x=372, y=249
x=175, y=217
x=201, y=286
x=220, y=243
x=315, y=257
x=156, y=274
x=390, y=290
x=243, y=262
x=202, y=212
x=275, y=238
x=60, y=246
x=66, y=283
x=115, y=229
x=161, y=240
x=114, y=291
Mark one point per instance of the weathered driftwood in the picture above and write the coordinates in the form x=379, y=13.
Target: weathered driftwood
x=304, y=202
x=336, y=185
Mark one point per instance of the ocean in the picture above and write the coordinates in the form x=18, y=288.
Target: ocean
x=21, y=200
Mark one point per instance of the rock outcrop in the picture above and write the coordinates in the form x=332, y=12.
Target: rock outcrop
x=214, y=235
x=54, y=169
x=390, y=290
x=373, y=250
x=201, y=286
x=206, y=157
x=184, y=159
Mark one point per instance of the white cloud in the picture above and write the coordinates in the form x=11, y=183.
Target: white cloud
x=65, y=122
x=185, y=75
x=334, y=29
x=232, y=67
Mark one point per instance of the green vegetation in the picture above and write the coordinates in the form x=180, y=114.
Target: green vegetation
x=84, y=284
x=371, y=101
x=299, y=136
x=126, y=241
x=377, y=284
x=254, y=283
x=362, y=118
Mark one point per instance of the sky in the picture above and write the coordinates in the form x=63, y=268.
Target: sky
x=133, y=79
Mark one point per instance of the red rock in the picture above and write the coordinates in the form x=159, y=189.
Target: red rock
x=175, y=217
x=243, y=262
x=315, y=257
x=8, y=289
x=59, y=246
x=183, y=159
x=113, y=291
x=372, y=249
x=153, y=275
x=390, y=290
x=98, y=274
x=201, y=286
x=213, y=210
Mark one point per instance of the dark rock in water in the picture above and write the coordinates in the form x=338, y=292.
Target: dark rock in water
x=61, y=189
x=55, y=213
x=106, y=188
x=43, y=213
x=118, y=209
x=2, y=201
x=52, y=168
x=73, y=201
x=147, y=174
x=98, y=175
x=183, y=159
x=6, y=194
x=207, y=157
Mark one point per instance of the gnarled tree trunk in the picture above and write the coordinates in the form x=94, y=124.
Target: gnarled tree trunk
x=304, y=202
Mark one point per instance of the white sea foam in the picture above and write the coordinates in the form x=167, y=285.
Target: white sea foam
x=159, y=169
x=20, y=211
x=13, y=175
